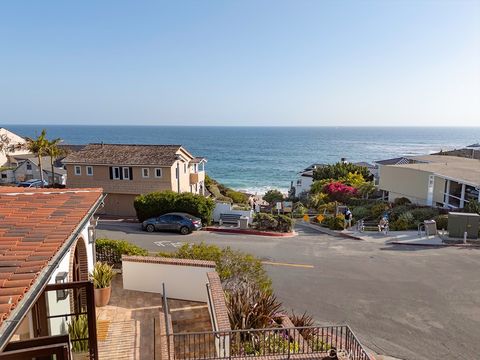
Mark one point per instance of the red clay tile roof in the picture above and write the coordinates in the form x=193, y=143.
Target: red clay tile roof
x=34, y=224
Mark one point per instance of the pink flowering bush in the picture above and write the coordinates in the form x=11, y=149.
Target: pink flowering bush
x=338, y=191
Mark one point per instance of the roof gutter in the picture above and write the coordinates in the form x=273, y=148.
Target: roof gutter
x=9, y=326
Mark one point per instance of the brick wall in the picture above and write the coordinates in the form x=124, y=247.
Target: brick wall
x=218, y=300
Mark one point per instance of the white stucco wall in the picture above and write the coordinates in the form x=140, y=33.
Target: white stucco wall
x=181, y=281
x=226, y=208
x=59, y=325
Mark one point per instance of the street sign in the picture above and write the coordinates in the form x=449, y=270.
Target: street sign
x=287, y=206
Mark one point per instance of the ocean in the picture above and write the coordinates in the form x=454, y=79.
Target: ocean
x=256, y=159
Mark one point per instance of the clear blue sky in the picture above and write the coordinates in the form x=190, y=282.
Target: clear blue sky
x=242, y=62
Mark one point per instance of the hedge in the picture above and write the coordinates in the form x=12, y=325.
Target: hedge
x=267, y=222
x=159, y=203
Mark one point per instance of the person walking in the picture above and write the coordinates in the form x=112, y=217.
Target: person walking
x=348, y=218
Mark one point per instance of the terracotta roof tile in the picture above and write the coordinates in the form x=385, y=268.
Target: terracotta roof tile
x=34, y=224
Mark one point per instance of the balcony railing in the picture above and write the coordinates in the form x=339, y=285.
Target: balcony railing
x=330, y=342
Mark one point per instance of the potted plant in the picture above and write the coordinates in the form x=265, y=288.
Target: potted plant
x=101, y=276
x=78, y=329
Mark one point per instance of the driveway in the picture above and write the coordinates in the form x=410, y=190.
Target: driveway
x=404, y=301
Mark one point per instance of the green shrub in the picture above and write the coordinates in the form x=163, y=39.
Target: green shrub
x=334, y=222
x=377, y=210
x=405, y=221
x=360, y=212
x=263, y=221
x=401, y=201
x=267, y=222
x=237, y=196
x=233, y=266
x=472, y=207
x=397, y=211
x=111, y=251
x=422, y=214
x=341, y=170
x=442, y=222
x=159, y=203
x=299, y=209
x=285, y=223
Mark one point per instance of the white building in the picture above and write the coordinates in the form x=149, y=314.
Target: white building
x=9, y=140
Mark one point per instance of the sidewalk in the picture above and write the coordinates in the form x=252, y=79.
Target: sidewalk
x=393, y=237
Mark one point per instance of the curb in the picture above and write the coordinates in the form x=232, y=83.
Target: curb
x=251, y=232
x=436, y=245
x=331, y=232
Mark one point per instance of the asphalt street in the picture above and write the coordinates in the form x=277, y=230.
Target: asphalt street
x=404, y=301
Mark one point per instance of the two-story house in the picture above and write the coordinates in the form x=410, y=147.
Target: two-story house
x=126, y=171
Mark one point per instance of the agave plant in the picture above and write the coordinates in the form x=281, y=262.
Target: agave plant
x=251, y=308
x=304, y=320
x=102, y=275
x=78, y=329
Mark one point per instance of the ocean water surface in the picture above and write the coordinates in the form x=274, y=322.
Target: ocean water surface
x=259, y=158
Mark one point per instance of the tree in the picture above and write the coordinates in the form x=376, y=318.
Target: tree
x=53, y=151
x=340, y=170
x=273, y=196
x=38, y=147
x=366, y=189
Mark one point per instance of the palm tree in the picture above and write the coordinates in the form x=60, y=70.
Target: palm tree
x=38, y=147
x=53, y=151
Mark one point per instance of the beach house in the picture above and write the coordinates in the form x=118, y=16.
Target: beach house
x=433, y=180
x=10, y=145
x=47, y=251
x=126, y=171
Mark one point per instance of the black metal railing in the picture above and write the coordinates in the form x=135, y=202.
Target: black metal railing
x=325, y=342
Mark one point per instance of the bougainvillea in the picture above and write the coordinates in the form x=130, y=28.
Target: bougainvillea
x=338, y=191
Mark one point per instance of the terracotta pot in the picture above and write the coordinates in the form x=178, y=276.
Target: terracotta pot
x=102, y=296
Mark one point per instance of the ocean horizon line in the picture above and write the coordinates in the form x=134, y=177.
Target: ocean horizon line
x=253, y=126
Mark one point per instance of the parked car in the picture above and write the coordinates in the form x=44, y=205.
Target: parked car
x=181, y=222
x=33, y=183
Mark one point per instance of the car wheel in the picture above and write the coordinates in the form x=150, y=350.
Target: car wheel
x=150, y=228
x=184, y=230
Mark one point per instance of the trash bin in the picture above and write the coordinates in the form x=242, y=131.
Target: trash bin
x=430, y=227
x=243, y=222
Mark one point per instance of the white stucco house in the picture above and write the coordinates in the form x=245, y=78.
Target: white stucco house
x=9, y=140
x=50, y=241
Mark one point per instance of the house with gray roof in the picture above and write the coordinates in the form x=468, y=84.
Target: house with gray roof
x=433, y=180
x=125, y=171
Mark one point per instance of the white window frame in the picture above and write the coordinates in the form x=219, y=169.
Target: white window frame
x=89, y=170
x=156, y=172
x=126, y=174
x=143, y=173
x=77, y=170
x=113, y=173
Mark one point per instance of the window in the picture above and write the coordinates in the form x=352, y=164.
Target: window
x=78, y=170
x=29, y=166
x=116, y=173
x=145, y=172
x=158, y=172
x=126, y=173
x=4, y=176
x=90, y=170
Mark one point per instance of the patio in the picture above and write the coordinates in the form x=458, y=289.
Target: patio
x=128, y=328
